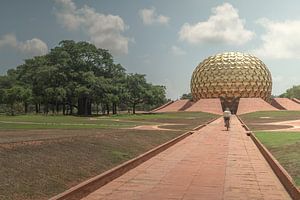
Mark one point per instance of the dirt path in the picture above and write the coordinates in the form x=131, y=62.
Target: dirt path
x=154, y=127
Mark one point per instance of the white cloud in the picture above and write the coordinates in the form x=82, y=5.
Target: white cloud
x=177, y=50
x=105, y=31
x=223, y=26
x=8, y=40
x=33, y=47
x=149, y=17
x=280, y=40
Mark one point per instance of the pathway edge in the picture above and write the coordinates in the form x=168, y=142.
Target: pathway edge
x=83, y=189
x=280, y=172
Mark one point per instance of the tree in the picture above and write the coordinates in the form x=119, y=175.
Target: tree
x=13, y=95
x=99, y=91
x=293, y=92
x=187, y=96
x=75, y=75
x=26, y=97
x=136, y=89
x=156, y=95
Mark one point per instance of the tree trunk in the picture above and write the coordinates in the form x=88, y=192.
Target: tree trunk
x=86, y=111
x=57, y=107
x=133, y=108
x=84, y=106
x=97, y=108
x=107, y=109
x=25, y=107
x=46, y=108
x=36, y=108
x=114, y=108
x=12, y=109
x=103, y=109
x=71, y=108
x=64, y=108
x=53, y=108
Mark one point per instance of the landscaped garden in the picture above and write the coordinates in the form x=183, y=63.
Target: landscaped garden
x=41, y=156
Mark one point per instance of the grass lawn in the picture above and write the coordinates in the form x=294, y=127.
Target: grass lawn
x=41, y=156
x=285, y=147
x=255, y=120
x=61, y=122
x=272, y=116
x=30, y=122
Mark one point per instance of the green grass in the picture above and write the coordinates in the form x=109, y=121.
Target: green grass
x=171, y=115
x=41, y=156
x=60, y=122
x=285, y=147
x=273, y=116
x=42, y=169
x=29, y=122
x=256, y=120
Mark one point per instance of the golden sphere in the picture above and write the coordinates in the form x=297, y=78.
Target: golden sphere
x=231, y=75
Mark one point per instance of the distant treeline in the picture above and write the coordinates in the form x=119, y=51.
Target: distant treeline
x=76, y=77
x=293, y=92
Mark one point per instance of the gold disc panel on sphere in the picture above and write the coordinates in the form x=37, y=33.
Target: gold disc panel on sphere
x=231, y=75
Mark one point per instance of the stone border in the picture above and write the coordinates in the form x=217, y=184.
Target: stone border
x=280, y=172
x=83, y=189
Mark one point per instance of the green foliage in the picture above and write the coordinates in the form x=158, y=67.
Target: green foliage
x=73, y=76
x=293, y=92
x=139, y=91
x=187, y=96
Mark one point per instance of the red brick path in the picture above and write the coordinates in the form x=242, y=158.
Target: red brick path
x=210, y=164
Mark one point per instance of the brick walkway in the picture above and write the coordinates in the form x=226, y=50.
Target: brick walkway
x=210, y=164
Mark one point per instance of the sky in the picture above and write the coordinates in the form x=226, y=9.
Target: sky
x=165, y=40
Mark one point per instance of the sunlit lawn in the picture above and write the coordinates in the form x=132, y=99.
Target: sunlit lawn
x=114, y=121
x=41, y=156
x=285, y=146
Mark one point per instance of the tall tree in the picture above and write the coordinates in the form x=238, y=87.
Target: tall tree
x=136, y=89
x=75, y=75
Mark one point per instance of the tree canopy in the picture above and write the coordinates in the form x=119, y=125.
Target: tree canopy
x=77, y=77
x=187, y=96
x=293, y=92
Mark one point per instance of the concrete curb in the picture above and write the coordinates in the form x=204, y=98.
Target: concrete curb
x=280, y=172
x=83, y=189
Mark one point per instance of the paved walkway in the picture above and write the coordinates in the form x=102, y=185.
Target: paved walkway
x=210, y=164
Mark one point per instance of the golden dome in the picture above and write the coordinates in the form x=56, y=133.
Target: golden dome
x=231, y=75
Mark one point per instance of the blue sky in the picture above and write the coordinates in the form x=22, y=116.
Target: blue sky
x=165, y=40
